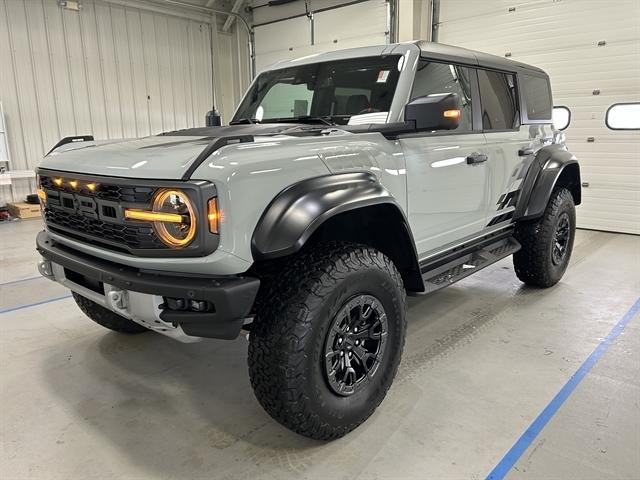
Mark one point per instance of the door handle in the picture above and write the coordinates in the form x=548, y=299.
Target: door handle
x=525, y=152
x=476, y=158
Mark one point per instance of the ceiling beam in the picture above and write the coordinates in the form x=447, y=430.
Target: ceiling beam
x=229, y=21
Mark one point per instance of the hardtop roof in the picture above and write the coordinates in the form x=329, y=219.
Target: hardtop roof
x=433, y=50
x=441, y=51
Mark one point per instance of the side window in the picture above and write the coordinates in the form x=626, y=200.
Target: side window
x=499, y=100
x=433, y=78
x=537, y=95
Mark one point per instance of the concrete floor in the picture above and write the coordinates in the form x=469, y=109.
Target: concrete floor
x=483, y=358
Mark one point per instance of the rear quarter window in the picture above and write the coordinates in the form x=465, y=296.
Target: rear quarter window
x=537, y=95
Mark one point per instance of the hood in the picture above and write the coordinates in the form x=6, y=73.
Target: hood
x=164, y=157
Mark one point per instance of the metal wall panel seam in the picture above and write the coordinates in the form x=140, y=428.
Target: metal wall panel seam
x=189, y=98
x=100, y=61
x=69, y=75
x=18, y=102
x=146, y=77
x=16, y=142
x=117, y=65
x=51, y=73
x=172, y=69
x=155, y=34
x=35, y=87
x=133, y=83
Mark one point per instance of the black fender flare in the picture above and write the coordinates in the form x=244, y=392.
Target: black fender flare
x=297, y=211
x=550, y=164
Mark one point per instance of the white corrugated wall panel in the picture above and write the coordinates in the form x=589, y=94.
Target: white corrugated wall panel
x=351, y=25
x=109, y=70
x=562, y=38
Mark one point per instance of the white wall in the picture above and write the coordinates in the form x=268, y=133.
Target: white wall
x=339, y=27
x=110, y=71
x=562, y=38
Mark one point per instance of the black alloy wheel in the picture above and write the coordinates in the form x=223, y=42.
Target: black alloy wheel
x=355, y=344
x=561, y=239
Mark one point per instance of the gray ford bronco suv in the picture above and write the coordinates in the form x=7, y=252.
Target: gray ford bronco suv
x=344, y=182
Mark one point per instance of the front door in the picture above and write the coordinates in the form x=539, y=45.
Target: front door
x=447, y=176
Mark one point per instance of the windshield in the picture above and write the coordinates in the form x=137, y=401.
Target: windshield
x=357, y=90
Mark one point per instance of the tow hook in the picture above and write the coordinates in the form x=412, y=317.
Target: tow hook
x=118, y=298
x=45, y=268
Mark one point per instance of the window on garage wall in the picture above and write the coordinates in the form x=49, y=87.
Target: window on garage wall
x=499, y=100
x=623, y=116
x=434, y=78
x=561, y=117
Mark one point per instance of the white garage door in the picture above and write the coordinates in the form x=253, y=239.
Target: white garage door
x=591, y=50
x=355, y=25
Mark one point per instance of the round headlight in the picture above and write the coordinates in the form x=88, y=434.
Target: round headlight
x=175, y=234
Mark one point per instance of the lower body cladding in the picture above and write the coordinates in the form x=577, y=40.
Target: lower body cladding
x=185, y=307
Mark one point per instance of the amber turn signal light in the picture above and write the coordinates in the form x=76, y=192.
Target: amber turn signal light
x=452, y=114
x=42, y=195
x=213, y=215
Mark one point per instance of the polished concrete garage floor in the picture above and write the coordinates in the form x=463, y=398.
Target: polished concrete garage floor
x=483, y=360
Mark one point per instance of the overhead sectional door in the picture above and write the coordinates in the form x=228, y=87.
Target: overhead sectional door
x=591, y=51
x=356, y=25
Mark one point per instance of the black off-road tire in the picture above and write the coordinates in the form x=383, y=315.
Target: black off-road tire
x=107, y=318
x=288, y=339
x=534, y=263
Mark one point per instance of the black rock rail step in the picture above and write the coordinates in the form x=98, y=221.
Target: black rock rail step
x=445, y=274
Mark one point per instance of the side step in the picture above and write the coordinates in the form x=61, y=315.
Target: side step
x=444, y=275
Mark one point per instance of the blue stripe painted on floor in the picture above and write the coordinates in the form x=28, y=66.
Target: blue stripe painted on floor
x=35, y=304
x=21, y=280
x=512, y=456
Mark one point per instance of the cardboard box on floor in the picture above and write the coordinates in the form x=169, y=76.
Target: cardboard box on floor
x=24, y=210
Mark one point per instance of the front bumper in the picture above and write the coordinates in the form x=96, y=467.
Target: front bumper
x=139, y=295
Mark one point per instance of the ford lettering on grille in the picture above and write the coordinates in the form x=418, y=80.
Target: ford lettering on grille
x=92, y=207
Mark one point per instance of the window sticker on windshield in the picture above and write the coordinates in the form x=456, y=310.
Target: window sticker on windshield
x=382, y=76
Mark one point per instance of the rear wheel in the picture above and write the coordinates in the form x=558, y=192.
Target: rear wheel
x=547, y=242
x=327, y=342
x=106, y=317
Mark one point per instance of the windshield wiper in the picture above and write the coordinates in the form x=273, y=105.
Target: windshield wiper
x=305, y=119
x=310, y=118
x=241, y=121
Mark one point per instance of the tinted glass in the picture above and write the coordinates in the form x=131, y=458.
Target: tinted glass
x=433, y=78
x=537, y=94
x=499, y=100
x=334, y=91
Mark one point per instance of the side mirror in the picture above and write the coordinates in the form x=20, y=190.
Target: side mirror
x=438, y=111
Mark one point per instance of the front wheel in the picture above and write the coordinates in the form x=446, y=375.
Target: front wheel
x=547, y=242
x=327, y=342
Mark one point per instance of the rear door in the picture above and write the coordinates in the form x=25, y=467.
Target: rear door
x=505, y=136
x=447, y=196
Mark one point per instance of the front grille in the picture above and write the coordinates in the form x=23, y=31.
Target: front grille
x=91, y=214
x=132, y=237
x=104, y=191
